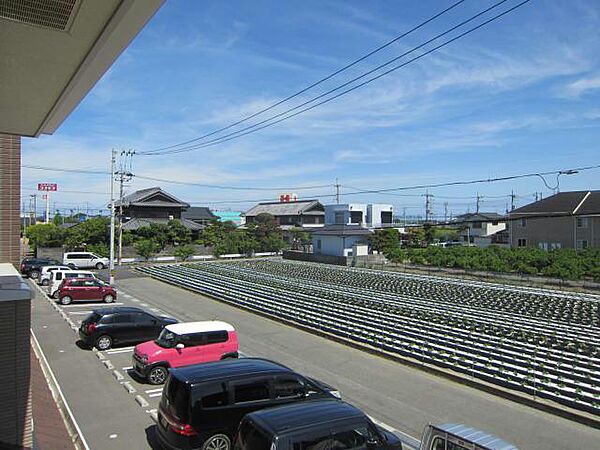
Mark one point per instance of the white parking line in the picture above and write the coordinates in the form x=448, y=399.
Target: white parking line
x=152, y=391
x=120, y=350
x=127, y=368
x=157, y=394
x=79, y=313
x=134, y=300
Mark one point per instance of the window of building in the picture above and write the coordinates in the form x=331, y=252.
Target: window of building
x=523, y=223
x=582, y=244
x=495, y=223
x=318, y=244
x=582, y=222
x=339, y=217
x=521, y=242
x=543, y=245
x=477, y=225
x=356, y=217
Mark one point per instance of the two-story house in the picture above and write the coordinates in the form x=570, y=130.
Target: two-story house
x=563, y=220
x=480, y=229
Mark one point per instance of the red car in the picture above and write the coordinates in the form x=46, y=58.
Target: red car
x=85, y=289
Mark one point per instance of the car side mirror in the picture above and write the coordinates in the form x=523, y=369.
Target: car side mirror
x=372, y=443
x=180, y=346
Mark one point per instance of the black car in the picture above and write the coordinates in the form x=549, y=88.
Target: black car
x=323, y=425
x=119, y=325
x=202, y=405
x=32, y=267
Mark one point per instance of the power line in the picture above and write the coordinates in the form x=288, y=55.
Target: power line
x=264, y=123
x=55, y=169
x=322, y=80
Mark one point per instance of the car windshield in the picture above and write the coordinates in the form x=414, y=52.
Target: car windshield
x=167, y=339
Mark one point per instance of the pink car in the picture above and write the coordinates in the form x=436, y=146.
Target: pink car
x=184, y=344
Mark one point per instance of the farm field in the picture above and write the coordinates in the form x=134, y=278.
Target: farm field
x=541, y=342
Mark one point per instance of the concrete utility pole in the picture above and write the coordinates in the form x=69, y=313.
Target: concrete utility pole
x=479, y=197
x=337, y=192
x=111, y=265
x=512, y=200
x=123, y=176
x=445, y=211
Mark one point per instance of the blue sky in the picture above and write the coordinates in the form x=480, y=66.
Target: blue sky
x=521, y=95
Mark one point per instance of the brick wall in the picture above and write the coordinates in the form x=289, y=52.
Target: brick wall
x=10, y=198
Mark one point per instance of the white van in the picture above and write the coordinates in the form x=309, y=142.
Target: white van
x=57, y=277
x=44, y=278
x=84, y=260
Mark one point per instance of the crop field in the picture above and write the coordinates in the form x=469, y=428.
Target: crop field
x=541, y=342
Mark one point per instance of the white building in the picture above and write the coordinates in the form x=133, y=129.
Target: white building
x=480, y=228
x=341, y=240
x=371, y=215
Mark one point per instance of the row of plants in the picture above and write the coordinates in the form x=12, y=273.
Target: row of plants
x=512, y=359
x=540, y=304
x=568, y=264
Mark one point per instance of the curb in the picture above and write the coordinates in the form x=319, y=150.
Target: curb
x=128, y=387
x=118, y=375
x=108, y=364
x=141, y=401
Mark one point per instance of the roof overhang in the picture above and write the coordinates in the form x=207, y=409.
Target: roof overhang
x=47, y=71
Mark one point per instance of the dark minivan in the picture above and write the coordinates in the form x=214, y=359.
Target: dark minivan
x=120, y=325
x=319, y=425
x=32, y=267
x=202, y=406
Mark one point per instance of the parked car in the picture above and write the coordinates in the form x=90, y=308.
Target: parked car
x=59, y=275
x=202, y=405
x=88, y=289
x=184, y=344
x=44, y=278
x=458, y=436
x=84, y=260
x=106, y=327
x=31, y=267
x=323, y=424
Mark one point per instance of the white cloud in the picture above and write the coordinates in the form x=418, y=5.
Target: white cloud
x=582, y=86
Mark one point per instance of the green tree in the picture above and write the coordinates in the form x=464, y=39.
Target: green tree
x=300, y=238
x=428, y=233
x=267, y=233
x=177, y=233
x=385, y=240
x=91, y=232
x=147, y=248
x=45, y=235
x=185, y=251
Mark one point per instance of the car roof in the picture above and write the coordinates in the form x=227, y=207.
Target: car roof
x=70, y=279
x=118, y=309
x=229, y=368
x=297, y=416
x=481, y=438
x=199, y=327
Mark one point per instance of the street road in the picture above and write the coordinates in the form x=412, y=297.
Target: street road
x=403, y=398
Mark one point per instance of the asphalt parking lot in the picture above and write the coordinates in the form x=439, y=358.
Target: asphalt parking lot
x=114, y=409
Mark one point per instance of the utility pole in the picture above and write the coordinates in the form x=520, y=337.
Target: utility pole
x=479, y=197
x=428, y=206
x=47, y=206
x=123, y=176
x=404, y=215
x=445, y=212
x=337, y=192
x=111, y=266
x=512, y=200
x=34, y=198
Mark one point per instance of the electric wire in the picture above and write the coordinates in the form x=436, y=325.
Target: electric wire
x=322, y=80
x=269, y=122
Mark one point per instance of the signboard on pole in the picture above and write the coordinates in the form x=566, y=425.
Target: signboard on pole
x=47, y=187
x=284, y=198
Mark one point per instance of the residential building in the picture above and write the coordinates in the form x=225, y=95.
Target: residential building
x=366, y=215
x=341, y=240
x=199, y=214
x=53, y=53
x=481, y=229
x=231, y=216
x=564, y=220
x=153, y=205
x=303, y=213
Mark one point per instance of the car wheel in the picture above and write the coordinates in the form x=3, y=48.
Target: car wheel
x=34, y=274
x=99, y=266
x=104, y=342
x=55, y=294
x=45, y=282
x=217, y=442
x=108, y=298
x=66, y=300
x=72, y=266
x=158, y=375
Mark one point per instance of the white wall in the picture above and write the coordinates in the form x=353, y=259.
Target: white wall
x=374, y=211
x=336, y=245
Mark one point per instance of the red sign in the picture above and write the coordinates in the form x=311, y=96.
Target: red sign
x=284, y=198
x=47, y=187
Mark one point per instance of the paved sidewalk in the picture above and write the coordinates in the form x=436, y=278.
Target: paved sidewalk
x=50, y=432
